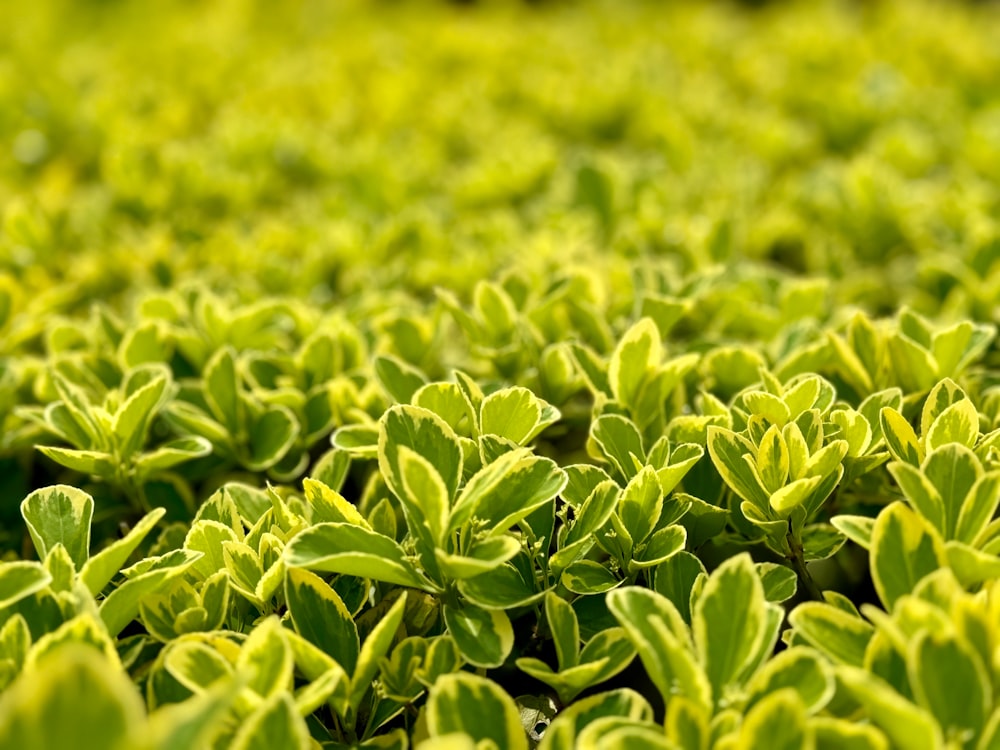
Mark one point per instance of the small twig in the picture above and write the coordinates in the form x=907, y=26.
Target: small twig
x=798, y=562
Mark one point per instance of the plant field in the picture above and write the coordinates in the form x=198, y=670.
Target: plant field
x=420, y=374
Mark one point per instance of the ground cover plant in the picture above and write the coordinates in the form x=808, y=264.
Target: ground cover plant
x=499, y=375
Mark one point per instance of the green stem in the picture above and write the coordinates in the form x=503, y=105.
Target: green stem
x=798, y=561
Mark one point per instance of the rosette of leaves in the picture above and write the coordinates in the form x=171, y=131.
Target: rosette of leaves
x=459, y=543
x=70, y=583
x=637, y=379
x=951, y=485
x=242, y=428
x=924, y=672
x=615, y=527
x=782, y=466
x=108, y=429
x=913, y=354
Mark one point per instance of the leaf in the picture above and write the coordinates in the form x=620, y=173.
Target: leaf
x=222, y=389
x=959, y=423
x=979, y=506
x=589, y=577
x=842, y=734
x=900, y=437
x=676, y=578
x=772, y=459
x=319, y=616
x=799, y=669
x=777, y=722
x=475, y=706
x=425, y=492
x=426, y=434
x=195, y=665
x=171, y=454
x=953, y=470
x=503, y=587
x=122, y=605
x=728, y=621
x=637, y=355
x=620, y=443
x=660, y=637
x=624, y=703
x=275, y=724
x=374, y=649
x=351, y=550
x=640, y=503
x=503, y=495
x=43, y=708
x=920, y=493
x=779, y=581
x=485, y=637
x=103, y=566
x=904, y=549
x=938, y=665
x=727, y=450
x=856, y=528
x=271, y=437
x=399, y=379
x=516, y=414
x=94, y=463
x=60, y=515
x=267, y=658
x=840, y=636
x=131, y=422
x=907, y=726
x=20, y=579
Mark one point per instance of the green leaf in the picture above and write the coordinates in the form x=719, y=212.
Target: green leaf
x=840, y=636
x=624, y=703
x=772, y=459
x=94, y=463
x=676, y=578
x=779, y=581
x=620, y=443
x=843, y=734
x=319, y=616
x=195, y=665
x=950, y=681
x=637, y=355
x=374, y=649
x=565, y=630
x=953, y=470
x=222, y=389
x=907, y=726
x=920, y=493
x=727, y=450
x=508, y=490
x=777, y=722
x=122, y=605
x=171, y=454
x=424, y=433
x=267, y=658
x=978, y=508
x=516, y=414
x=904, y=549
x=640, y=503
x=20, y=579
x=131, y=422
x=661, y=546
x=728, y=621
x=399, y=379
x=900, y=437
x=275, y=724
x=60, y=515
x=72, y=699
x=475, y=706
x=589, y=577
x=503, y=587
x=271, y=437
x=797, y=668
x=856, y=528
x=959, y=423
x=425, y=492
x=351, y=550
x=103, y=566
x=661, y=639
x=485, y=637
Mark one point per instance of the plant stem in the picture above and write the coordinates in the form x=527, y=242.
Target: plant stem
x=798, y=562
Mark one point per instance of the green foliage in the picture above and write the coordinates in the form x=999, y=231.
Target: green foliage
x=402, y=375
